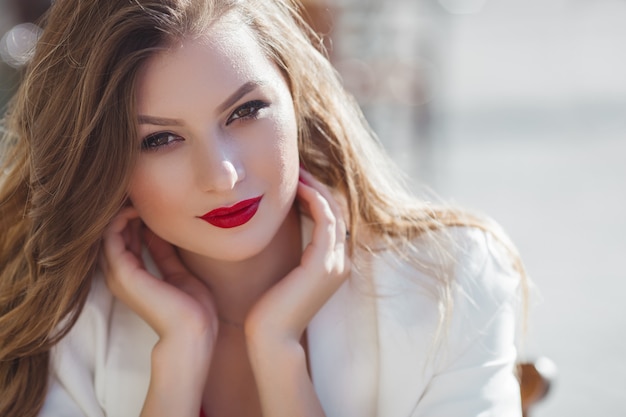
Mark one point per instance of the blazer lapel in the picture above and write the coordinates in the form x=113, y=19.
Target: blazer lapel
x=127, y=366
x=343, y=348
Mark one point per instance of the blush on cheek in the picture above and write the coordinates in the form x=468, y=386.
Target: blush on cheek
x=290, y=165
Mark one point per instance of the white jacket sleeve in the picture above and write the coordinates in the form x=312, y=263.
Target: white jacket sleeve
x=475, y=372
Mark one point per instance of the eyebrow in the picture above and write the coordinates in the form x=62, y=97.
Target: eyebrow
x=158, y=121
x=241, y=91
x=230, y=100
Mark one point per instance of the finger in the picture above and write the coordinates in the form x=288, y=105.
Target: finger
x=173, y=270
x=170, y=265
x=164, y=255
x=337, y=211
x=324, y=229
x=327, y=247
x=124, y=272
x=341, y=259
x=291, y=303
x=118, y=223
x=139, y=289
x=114, y=242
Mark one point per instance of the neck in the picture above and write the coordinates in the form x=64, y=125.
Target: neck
x=236, y=286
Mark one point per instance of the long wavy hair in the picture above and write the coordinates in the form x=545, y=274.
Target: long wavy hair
x=69, y=147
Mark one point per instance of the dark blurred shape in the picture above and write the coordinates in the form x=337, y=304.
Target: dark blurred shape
x=536, y=379
x=29, y=10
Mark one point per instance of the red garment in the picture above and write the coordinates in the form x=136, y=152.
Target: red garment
x=202, y=413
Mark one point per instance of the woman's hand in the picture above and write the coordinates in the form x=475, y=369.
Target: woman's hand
x=287, y=308
x=277, y=321
x=179, y=308
x=178, y=303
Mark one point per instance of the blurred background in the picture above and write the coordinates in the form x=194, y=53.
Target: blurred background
x=515, y=108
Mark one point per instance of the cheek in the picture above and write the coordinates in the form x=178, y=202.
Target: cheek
x=288, y=133
x=150, y=194
x=286, y=149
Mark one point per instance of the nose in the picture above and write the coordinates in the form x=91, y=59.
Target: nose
x=217, y=164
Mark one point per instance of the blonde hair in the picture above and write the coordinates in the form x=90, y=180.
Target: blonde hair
x=70, y=146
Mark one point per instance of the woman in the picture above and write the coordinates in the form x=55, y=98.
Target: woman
x=196, y=219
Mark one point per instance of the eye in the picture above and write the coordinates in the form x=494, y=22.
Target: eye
x=159, y=140
x=249, y=110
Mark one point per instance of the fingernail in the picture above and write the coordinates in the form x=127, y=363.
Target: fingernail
x=303, y=181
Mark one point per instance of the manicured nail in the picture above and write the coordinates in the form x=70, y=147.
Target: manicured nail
x=303, y=181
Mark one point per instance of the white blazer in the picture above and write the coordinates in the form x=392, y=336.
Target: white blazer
x=371, y=348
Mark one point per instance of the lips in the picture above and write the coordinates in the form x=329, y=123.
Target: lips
x=236, y=215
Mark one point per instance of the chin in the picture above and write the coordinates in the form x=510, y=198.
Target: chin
x=246, y=246
x=265, y=237
x=243, y=252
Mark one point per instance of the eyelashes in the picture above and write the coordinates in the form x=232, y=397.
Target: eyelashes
x=160, y=140
x=248, y=110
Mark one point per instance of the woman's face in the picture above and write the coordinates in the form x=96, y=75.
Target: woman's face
x=218, y=170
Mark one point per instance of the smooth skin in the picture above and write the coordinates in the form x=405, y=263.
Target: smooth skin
x=233, y=304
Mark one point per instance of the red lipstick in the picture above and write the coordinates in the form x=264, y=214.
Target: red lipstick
x=233, y=216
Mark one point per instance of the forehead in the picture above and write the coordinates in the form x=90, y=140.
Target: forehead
x=214, y=63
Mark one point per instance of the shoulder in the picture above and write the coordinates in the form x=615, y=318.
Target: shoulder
x=483, y=265
x=486, y=289
x=461, y=258
x=76, y=359
x=103, y=363
x=91, y=327
x=456, y=282
x=447, y=310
